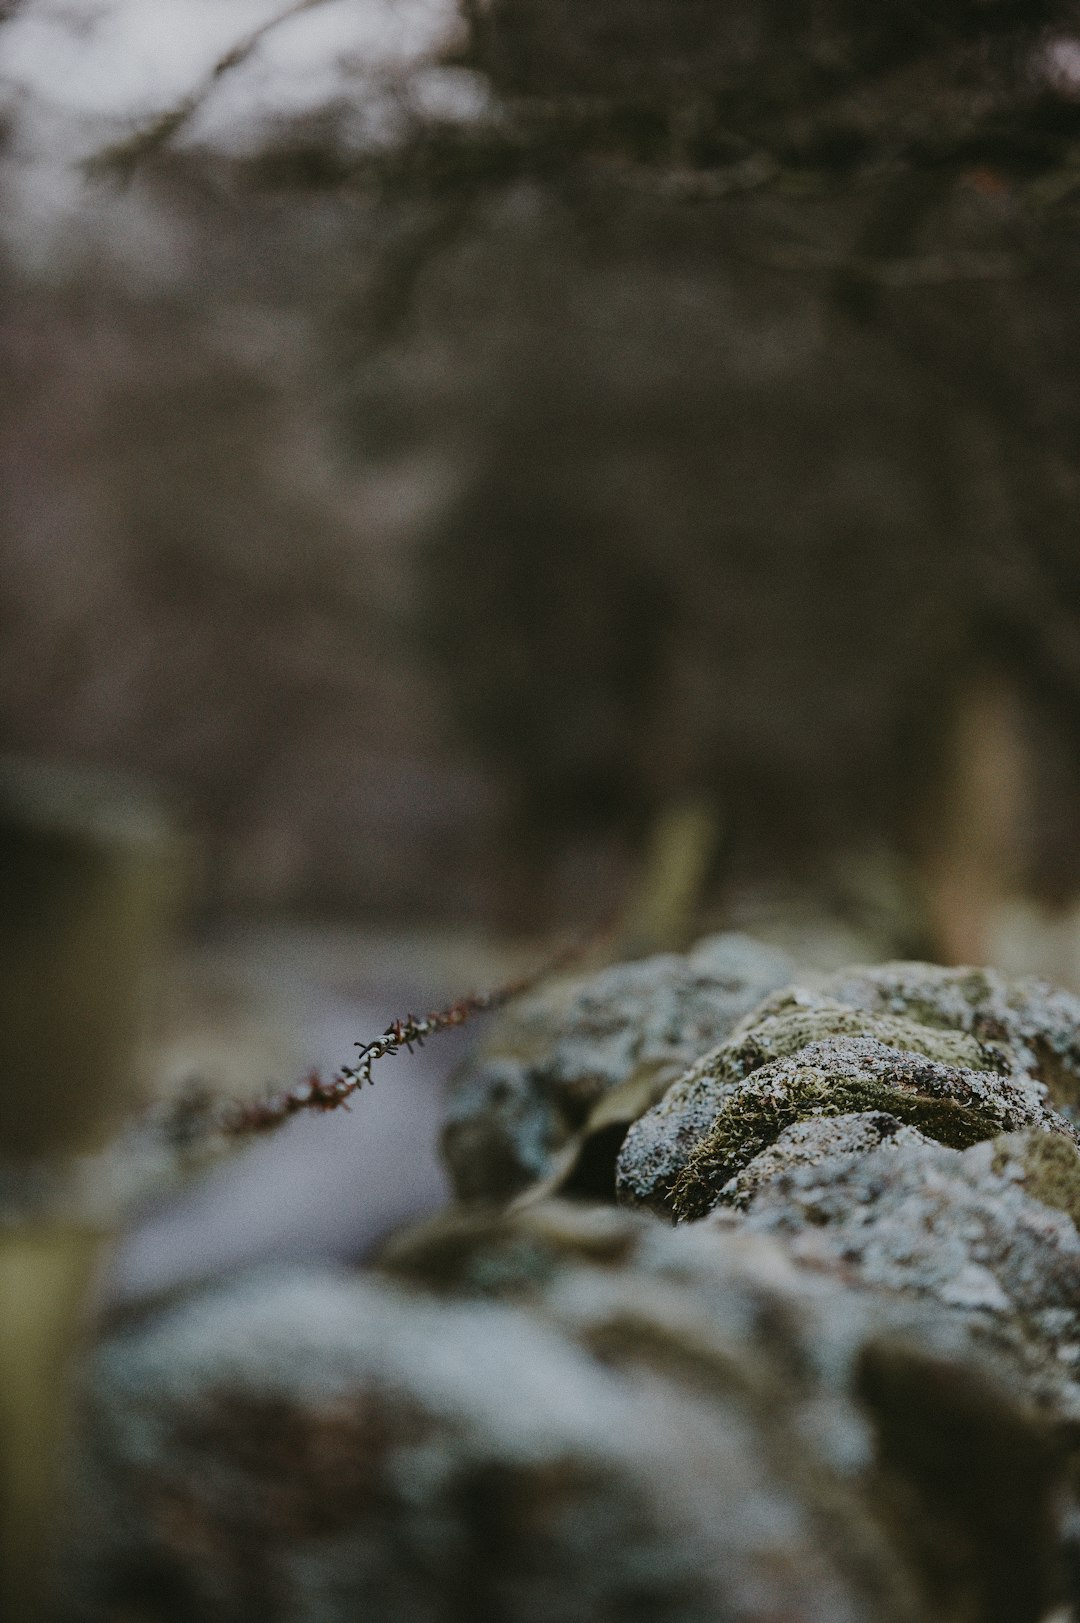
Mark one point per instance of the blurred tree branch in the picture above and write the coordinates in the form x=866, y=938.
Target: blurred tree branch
x=126, y=155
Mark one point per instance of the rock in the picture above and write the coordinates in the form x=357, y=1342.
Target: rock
x=565, y=1069
x=556, y=1414
x=849, y=1391
x=1037, y=1025
x=966, y=1228
x=320, y=1446
x=1048, y=1167
x=846, y=1075
x=812, y=1142
x=962, y=1054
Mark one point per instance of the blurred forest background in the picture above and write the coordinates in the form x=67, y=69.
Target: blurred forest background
x=441, y=442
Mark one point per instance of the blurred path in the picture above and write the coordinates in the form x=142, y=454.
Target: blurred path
x=324, y=1186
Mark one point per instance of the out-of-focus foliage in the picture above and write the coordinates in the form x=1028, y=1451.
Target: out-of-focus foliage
x=703, y=394
x=757, y=328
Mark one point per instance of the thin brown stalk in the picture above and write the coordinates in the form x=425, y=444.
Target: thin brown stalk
x=412, y=1031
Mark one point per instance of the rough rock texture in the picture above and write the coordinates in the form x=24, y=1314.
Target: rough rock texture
x=849, y=1391
x=961, y=1053
x=810, y=1143
x=971, y=1228
x=561, y=1414
x=1048, y=1167
x=1037, y=1025
x=850, y=1074
x=578, y=1058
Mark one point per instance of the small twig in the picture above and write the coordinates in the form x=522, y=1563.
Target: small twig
x=315, y=1093
x=153, y=136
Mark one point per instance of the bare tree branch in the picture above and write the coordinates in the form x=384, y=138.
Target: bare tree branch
x=125, y=155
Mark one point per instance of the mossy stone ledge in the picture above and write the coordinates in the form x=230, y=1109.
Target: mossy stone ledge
x=960, y=1054
x=849, y=1075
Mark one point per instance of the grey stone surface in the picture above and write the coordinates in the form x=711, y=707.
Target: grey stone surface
x=812, y=1142
x=851, y=1074
x=555, y=1061
x=1036, y=1025
x=970, y=1229
x=567, y=1413
x=849, y=1391
x=963, y=1053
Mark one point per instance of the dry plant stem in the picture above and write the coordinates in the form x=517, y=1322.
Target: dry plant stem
x=973, y=863
x=315, y=1093
x=663, y=911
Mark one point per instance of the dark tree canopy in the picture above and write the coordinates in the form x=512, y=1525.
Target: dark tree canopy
x=763, y=314
x=711, y=393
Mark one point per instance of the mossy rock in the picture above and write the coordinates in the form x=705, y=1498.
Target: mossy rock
x=1036, y=1026
x=811, y=1143
x=1048, y=1166
x=1022, y=1038
x=953, y=1104
x=547, y=1098
x=657, y=1147
x=798, y=1022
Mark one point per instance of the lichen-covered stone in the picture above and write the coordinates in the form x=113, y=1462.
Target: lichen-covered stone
x=659, y=1144
x=798, y=1021
x=972, y=1229
x=1036, y=1025
x=851, y=1391
x=985, y=1043
x=557, y=1414
x=842, y=1076
x=332, y=1448
x=1047, y=1165
x=575, y=1059
x=809, y=1143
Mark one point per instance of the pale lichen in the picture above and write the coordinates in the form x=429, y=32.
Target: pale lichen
x=961, y=1053
x=580, y=1059
x=841, y=1076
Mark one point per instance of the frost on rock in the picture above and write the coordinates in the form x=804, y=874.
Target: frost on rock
x=986, y=1231
x=577, y=1061
x=551, y=1415
x=849, y=1391
x=1036, y=1025
x=961, y=1054
x=846, y=1075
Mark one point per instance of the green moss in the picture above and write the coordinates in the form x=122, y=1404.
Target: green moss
x=782, y=1031
x=1051, y=1165
x=930, y=994
x=947, y=1105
